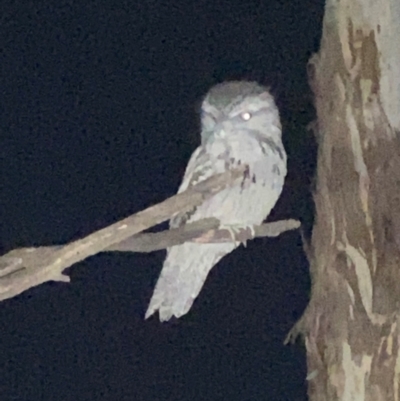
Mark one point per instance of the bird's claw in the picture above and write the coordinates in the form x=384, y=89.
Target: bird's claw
x=235, y=229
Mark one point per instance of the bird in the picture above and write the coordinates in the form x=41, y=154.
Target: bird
x=240, y=125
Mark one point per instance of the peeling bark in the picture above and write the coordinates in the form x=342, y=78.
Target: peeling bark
x=351, y=326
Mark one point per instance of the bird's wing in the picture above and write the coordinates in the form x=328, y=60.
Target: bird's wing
x=198, y=169
x=186, y=266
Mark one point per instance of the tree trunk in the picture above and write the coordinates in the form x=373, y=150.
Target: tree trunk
x=352, y=325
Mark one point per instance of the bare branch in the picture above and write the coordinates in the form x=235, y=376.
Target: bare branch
x=23, y=268
x=150, y=242
x=202, y=231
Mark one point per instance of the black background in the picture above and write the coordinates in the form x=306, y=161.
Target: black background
x=98, y=111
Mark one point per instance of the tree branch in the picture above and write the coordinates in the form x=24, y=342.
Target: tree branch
x=23, y=268
x=202, y=231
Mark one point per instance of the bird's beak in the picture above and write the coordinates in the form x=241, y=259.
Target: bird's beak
x=221, y=133
x=221, y=130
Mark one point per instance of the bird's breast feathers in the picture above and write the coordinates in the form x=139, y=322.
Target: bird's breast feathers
x=250, y=199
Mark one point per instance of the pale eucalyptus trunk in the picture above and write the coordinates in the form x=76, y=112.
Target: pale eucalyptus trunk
x=352, y=325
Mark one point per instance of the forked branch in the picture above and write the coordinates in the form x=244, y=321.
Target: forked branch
x=21, y=269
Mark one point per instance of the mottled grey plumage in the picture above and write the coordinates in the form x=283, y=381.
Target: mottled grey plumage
x=240, y=125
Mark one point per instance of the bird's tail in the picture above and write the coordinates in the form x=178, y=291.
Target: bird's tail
x=183, y=274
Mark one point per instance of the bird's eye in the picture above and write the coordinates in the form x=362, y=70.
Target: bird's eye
x=245, y=116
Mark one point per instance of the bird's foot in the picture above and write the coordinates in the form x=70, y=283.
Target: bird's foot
x=235, y=230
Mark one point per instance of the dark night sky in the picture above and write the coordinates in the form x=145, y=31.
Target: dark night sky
x=98, y=120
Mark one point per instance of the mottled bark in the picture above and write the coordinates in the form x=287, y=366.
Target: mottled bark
x=352, y=325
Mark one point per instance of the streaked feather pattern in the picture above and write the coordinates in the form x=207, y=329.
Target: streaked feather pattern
x=229, y=138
